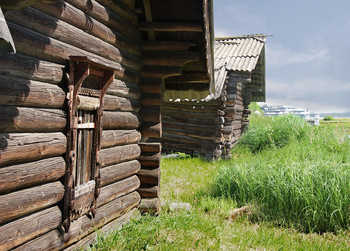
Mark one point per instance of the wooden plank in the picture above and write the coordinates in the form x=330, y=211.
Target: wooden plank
x=166, y=45
x=29, y=227
x=31, y=174
x=149, y=191
x=121, y=120
x=60, y=30
x=118, y=189
x=26, y=147
x=22, y=92
x=21, y=119
x=171, y=26
x=149, y=19
x=118, y=154
x=149, y=176
x=119, y=171
x=16, y=204
x=76, y=17
x=150, y=159
x=57, y=239
x=150, y=147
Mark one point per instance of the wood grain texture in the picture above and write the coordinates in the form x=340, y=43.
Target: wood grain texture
x=112, y=138
x=119, y=171
x=118, y=154
x=121, y=120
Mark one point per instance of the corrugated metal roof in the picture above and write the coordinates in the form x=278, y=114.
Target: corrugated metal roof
x=238, y=53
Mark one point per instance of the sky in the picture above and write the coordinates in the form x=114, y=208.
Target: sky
x=308, y=56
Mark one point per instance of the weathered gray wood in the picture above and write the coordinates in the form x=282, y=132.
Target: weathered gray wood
x=22, y=92
x=112, y=138
x=150, y=205
x=24, y=229
x=26, y=67
x=79, y=19
x=150, y=147
x=114, y=155
x=31, y=174
x=21, y=119
x=26, y=147
x=149, y=191
x=107, y=17
x=113, y=103
x=16, y=204
x=119, y=171
x=60, y=30
x=118, y=189
x=57, y=239
x=171, y=27
x=124, y=89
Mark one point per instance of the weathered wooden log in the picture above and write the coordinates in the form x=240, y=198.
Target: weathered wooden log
x=191, y=133
x=150, y=205
x=152, y=130
x=121, y=120
x=29, y=227
x=151, y=115
x=112, y=138
x=118, y=189
x=22, y=92
x=26, y=67
x=57, y=239
x=114, y=103
x=124, y=89
x=186, y=139
x=121, y=10
x=171, y=27
x=149, y=159
x=151, y=99
x=166, y=45
x=21, y=119
x=149, y=191
x=26, y=147
x=60, y=30
x=79, y=19
x=150, y=147
x=114, y=155
x=107, y=17
x=37, y=45
x=87, y=103
x=161, y=72
x=31, y=174
x=13, y=205
x=119, y=171
x=169, y=58
x=191, y=77
x=149, y=176
x=115, y=224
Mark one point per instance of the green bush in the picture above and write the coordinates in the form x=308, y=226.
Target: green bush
x=265, y=132
x=328, y=118
x=303, y=185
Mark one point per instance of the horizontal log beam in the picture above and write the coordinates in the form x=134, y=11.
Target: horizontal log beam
x=161, y=72
x=114, y=103
x=121, y=120
x=149, y=176
x=124, y=89
x=198, y=108
x=16, y=204
x=26, y=67
x=60, y=30
x=189, y=120
x=171, y=27
x=189, y=114
x=166, y=58
x=190, y=77
x=112, y=138
x=152, y=130
x=57, y=239
x=150, y=160
x=26, y=147
x=152, y=116
x=149, y=191
x=21, y=119
x=151, y=99
x=150, y=205
x=166, y=45
x=114, y=155
x=23, y=92
x=210, y=135
x=192, y=127
x=31, y=174
x=118, y=189
x=188, y=139
x=29, y=227
x=76, y=17
x=150, y=147
x=119, y=171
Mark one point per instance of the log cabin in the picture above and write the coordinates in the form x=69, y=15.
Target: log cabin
x=210, y=125
x=80, y=103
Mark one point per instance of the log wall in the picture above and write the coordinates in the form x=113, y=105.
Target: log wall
x=33, y=88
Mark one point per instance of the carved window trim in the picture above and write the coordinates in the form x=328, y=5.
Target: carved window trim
x=81, y=199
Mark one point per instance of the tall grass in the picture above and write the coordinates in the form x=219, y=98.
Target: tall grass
x=300, y=178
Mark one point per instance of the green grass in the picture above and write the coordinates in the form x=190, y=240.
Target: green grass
x=285, y=176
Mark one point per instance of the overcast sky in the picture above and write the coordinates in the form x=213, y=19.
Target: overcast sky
x=308, y=56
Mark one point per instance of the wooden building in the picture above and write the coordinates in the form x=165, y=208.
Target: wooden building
x=210, y=125
x=80, y=103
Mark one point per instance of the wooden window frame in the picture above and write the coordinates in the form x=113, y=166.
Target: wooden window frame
x=80, y=200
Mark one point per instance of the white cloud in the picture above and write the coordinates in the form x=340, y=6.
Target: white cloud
x=278, y=56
